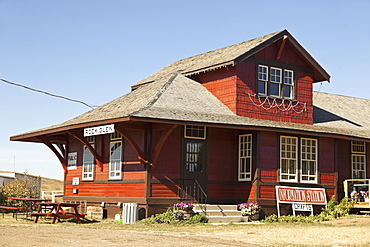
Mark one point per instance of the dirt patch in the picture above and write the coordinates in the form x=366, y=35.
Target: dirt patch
x=349, y=221
x=349, y=231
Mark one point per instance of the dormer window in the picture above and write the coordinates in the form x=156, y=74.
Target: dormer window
x=275, y=82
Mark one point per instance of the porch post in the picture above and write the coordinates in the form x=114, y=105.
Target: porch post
x=148, y=158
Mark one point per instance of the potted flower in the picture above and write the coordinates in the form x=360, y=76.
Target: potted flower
x=182, y=210
x=365, y=195
x=250, y=209
x=355, y=196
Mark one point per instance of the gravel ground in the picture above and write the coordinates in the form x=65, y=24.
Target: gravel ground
x=351, y=231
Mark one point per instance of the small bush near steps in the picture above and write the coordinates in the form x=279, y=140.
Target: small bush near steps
x=332, y=211
x=168, y=217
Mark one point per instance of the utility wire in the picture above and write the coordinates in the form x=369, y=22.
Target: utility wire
x=50, y=94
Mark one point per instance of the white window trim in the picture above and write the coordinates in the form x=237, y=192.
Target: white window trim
x=246, y=157
x=358, y=143
x=192, y=137
x=262, y=80
x=296, y=161
x=356, y=153
x=90, y=175
x=315, y=160
x=117, y=172
x=358, y=170
x=268, y=82
x=291, y=85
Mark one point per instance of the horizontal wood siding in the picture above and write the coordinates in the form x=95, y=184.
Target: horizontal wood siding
x=114, y=190
x=164, y=190
x=267, y=192
x=229, y=191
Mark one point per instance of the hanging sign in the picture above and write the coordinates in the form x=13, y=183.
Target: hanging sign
x=72, y=161
x=99, y=130
x=305, y=197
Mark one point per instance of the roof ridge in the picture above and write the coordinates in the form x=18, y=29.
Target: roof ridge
x=160, y=91
x=208, y=58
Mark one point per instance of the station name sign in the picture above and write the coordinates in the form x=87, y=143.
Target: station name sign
x=99, y=130
x=285, y=194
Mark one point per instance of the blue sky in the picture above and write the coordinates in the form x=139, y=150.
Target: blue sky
x=94, y=50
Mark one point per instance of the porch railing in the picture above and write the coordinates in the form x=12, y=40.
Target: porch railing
x=191, y=190
x=358, y=191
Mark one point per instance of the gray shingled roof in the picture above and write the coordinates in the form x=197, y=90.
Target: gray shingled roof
x=227, y=56
x=178, y=98
x=210, y=59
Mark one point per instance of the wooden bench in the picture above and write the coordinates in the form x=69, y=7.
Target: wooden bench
x=14, y=210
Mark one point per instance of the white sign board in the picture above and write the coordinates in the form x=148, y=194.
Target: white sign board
x=99, y=130
x=72, y=161
x=75, y=181
x=300, y=197
x=302, y=207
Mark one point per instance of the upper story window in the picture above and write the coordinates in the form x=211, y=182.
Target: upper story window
x=195, y=132
x=115, y=158
x=358, y=160
x=275, y=82
x=88, y=161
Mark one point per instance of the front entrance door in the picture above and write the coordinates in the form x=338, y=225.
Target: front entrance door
x=194, y=168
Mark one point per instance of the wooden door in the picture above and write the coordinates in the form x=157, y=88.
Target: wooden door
x=194, y=167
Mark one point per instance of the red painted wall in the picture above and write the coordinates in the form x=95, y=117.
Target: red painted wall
x=232, y=85
x=269, y=156
x=101, y=185
x=327, y=161
x=222, y=84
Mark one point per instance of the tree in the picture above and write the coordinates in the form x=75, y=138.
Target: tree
x=23, y=186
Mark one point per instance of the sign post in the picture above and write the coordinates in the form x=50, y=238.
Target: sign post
x=300, y=198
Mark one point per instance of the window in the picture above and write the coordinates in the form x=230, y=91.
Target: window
x=88, y=161
x=306, y=172
x=275, y=82
x=288, y=158
x=308, y=160
x=195, y=132
x=358, y=160
x=245, y=158
x=194, y=156
x=115, y=160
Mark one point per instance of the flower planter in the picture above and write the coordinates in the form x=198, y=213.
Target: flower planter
x=187, y=215
x=254, y=217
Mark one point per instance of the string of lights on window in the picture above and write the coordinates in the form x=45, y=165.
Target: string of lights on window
x=268, y=103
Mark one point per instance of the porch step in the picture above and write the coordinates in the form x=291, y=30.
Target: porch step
x=220, y=213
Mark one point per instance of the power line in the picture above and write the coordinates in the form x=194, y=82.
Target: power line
x=49, y=94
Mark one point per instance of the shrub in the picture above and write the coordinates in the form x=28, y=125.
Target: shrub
x=24, y=187
x=338, y=210
x=168, y=218
x=332, y=211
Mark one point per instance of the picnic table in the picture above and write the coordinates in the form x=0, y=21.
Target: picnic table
x=28, y=203
x=14, y=210
x=56, y=211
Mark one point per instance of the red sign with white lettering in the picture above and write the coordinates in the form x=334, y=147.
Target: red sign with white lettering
x=285, y=194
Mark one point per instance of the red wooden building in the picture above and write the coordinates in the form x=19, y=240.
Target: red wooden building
x=223, y=127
